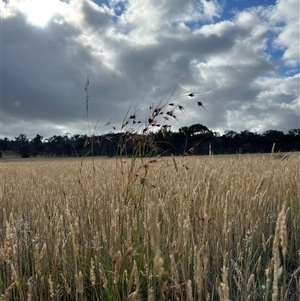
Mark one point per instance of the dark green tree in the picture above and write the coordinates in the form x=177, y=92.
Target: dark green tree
x=37, y=146
x=22, y=146
x=273, y=136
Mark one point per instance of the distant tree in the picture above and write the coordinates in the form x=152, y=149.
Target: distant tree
x=5, y=144
x=37, y=145
x=68, y=145
x=197, y=139
x=247, y=148
x=199, y=129
x=230, y=134
x=22, y=139
x=293, y=140
x=229, y=143
x=249, y=142
x=273, y=136
x=55, y=146
x=22, y=146
x=216, y=146
x=294, y=132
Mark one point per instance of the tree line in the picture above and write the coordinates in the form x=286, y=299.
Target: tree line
x=196, y=139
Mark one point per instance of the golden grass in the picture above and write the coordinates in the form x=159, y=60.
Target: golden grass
x=205, y=228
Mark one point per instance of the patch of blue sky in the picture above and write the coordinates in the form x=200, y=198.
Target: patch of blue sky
x=288, y=70
x=192, y=25
x=231, y=7
x=274, y=51
x=276, y=54
x=118, y=7
x=244, y=4
x=229, y=10
x=101, y=2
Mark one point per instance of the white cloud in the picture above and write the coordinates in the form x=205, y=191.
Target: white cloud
x=211, y=8
x=285, y=19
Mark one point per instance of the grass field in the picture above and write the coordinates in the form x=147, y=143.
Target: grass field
x=186, y=228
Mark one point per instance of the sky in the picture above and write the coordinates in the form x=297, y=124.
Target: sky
x=243, y=56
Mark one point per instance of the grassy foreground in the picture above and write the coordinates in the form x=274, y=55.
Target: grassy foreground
x=190, y=228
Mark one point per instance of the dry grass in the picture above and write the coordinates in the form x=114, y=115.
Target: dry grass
x=209, y=228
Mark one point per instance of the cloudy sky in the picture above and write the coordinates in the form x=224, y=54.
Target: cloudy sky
x=135, y=52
